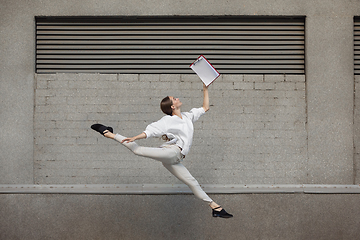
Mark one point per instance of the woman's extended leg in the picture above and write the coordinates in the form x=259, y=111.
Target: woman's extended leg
x=181, y=172
x=166, y=155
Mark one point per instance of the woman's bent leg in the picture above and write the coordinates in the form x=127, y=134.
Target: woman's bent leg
x=181, y=172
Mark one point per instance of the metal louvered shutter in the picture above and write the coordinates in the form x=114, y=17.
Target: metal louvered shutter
x=357, y=45
x=234, y=45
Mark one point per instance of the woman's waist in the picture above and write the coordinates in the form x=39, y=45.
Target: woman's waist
x=175, y=146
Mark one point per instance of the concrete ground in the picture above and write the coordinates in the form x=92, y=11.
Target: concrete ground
x=256, y=216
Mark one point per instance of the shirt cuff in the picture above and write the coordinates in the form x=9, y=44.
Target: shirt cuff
x=147, y=133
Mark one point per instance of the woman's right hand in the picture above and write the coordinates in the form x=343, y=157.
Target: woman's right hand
x=127, y=140
x=140, y=136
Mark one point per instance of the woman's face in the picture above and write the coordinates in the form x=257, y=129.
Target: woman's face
x=176, y=102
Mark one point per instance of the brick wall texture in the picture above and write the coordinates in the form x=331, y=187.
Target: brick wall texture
x=254, y=133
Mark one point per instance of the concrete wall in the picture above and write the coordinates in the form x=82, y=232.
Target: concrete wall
x=329, y=75
x=329, y=98
x=357, y=130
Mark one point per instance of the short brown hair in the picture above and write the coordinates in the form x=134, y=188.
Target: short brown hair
x=165, y=105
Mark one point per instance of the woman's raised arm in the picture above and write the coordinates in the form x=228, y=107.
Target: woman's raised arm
x=206, y=104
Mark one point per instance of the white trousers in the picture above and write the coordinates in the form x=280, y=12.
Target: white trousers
x=170, y=156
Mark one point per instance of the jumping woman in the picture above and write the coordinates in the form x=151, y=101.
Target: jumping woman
x=177, y=129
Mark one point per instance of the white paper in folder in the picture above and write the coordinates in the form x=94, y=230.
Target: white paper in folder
x=206, y=72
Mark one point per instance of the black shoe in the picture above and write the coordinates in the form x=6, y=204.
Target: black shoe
x=101, y=128
x=222, y=213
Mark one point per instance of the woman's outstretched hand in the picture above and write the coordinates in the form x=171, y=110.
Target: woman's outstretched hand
x=140, y=136
x=127, y=140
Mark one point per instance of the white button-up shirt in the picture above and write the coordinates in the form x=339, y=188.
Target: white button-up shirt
x=179, y=131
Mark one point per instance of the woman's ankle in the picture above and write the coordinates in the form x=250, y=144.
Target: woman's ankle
x=214, y=205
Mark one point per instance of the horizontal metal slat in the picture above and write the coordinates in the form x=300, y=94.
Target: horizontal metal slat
x=183, y=56
x=171, y=32
x=167, y=37
x=172, y=71
x=183, y=47
x=167, y=42
x=173, y=21
x=170, y=28
x=162, y=66
x=168, y=61
x=175, y=52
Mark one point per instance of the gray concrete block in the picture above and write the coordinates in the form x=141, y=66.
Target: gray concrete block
x=300, y=86
x=357, y=90
x=41, y=124
x=223, y=86
x=108, y=77
x=58, y=84
x=159, y=85
x=170, y=77
x=357, y=78
x=88, y=76
x=190, y=78
x=40, y=100
x=184, y=85
x=45, y=93
x=286, y=86
x=232, y=78
x=128, y=77
x=149, y=78
x=274, y=78
x=254, y=78
x=295, y=78
x=41, y=84
x=66, y=76
x=264, y=86
x=55, y=100
x=244, y=85
x=45, y=77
